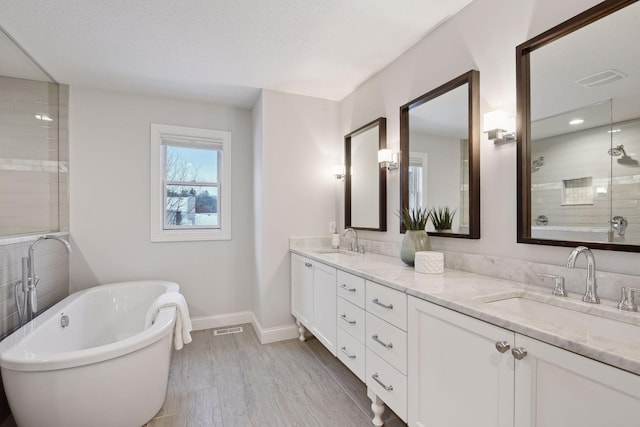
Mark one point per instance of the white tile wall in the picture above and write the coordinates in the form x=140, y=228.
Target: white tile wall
x=34, y=192
x=567, y=157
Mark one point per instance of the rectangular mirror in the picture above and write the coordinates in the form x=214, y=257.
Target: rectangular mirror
x=579, y=131
x=440, y=154
x=33, y=167
x=365, y=181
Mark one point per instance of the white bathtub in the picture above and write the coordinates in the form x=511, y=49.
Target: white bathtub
x=103, y=369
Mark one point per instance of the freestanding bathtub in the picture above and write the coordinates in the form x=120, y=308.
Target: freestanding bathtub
x=102, y=369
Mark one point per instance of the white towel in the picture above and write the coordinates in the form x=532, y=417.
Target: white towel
x=183, y=327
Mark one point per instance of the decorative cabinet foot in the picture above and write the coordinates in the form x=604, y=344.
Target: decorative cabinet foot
x=377, y=406
x=302, y=331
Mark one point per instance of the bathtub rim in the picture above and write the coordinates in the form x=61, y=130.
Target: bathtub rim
x=14, y=356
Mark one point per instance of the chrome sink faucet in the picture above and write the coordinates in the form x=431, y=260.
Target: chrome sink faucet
x=590, y=295
x=355, y=246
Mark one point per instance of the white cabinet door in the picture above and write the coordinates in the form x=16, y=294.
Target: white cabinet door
x=302, y=290
x=555, y=387
x=457, y=377
x=324, y=302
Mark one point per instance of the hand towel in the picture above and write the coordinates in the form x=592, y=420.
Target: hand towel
x=183, y=327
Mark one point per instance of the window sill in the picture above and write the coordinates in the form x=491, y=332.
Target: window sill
x=188, y=236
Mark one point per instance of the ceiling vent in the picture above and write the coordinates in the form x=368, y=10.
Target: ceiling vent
x=601, y=78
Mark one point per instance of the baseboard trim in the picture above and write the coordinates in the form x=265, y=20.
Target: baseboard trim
x=222, y=320
x=265, y=335
x=279, y=333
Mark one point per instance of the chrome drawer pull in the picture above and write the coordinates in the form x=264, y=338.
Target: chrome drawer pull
x=375, y=301
x=384, y=386
x=346, y=353
x=346, y=288
x=346, y=319
x=382, y=343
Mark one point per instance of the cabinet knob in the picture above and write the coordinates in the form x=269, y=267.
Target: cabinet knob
x=519, y=353
x=502, y=346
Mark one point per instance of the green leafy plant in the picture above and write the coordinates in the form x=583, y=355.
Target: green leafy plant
x=442, y=218
x=415, y=218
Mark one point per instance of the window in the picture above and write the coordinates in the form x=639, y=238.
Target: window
x=190, y=184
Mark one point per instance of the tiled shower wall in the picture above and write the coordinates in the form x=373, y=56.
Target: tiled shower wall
x=34, y=192
x=615, y=180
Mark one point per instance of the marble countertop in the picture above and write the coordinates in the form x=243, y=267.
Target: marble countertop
x=469, y=293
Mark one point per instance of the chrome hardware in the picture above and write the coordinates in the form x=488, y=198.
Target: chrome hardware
x=346, y=319
x=558, y=289
x=590, y=295
x=619, y=223
x=376, y=302
x=29, y=308
x=382, y=343
x=519, y=353
x=346, y=353
x=64, y=320
x=502, y=346
x=346, y=288
x=384, y=386
x=626, y=299
x=355, y=235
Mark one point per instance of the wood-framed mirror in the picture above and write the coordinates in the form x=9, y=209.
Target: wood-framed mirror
x=578, y=132
x=440, y=154
x=365, y=180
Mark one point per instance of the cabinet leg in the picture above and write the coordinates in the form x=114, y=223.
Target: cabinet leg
x=301, y=331
x=377, y=406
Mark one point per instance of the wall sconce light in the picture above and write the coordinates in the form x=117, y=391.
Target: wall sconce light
x=338, y=171
x=499, y=127
x=388, y=159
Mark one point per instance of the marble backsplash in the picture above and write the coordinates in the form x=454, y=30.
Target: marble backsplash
x=609, y=284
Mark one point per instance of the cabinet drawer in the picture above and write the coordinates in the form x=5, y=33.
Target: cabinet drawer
x=388, y=342
x=351, y=288
x=387, y=383
x=351, y=352
x=387, y=304
x=351, y=319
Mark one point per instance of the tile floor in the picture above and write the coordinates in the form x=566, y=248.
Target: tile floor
x=233, y=380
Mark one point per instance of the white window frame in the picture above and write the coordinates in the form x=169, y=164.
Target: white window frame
x=200, y=138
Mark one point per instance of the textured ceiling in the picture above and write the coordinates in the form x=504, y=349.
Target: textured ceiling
x=221, y=50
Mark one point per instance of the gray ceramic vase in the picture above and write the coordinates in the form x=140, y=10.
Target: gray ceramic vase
x=414, y=241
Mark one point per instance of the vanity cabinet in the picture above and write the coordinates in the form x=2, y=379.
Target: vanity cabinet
x=386, y=342
x=462, y=371
x=554, y=387
x=313, y=299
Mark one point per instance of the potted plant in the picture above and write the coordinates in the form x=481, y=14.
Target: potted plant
x=442, y=218
x=416, y=238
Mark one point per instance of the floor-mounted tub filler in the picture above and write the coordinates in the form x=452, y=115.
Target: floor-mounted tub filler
x=92, y=359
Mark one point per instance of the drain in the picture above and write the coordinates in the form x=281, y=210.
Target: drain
x=227, y=331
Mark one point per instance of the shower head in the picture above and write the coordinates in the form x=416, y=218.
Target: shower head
x=536, y=164
x=617, y=151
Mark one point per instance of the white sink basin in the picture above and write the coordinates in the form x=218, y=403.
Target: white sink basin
x=588, y=321
x=335, y=251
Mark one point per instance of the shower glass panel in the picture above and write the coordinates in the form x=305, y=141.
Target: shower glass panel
x=33, y=156
x=585, y=175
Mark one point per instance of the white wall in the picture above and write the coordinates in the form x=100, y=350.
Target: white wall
x=297, y=150
x=483, y=36
x=109, y=184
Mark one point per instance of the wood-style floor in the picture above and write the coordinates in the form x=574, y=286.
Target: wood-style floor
x=233, y=380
